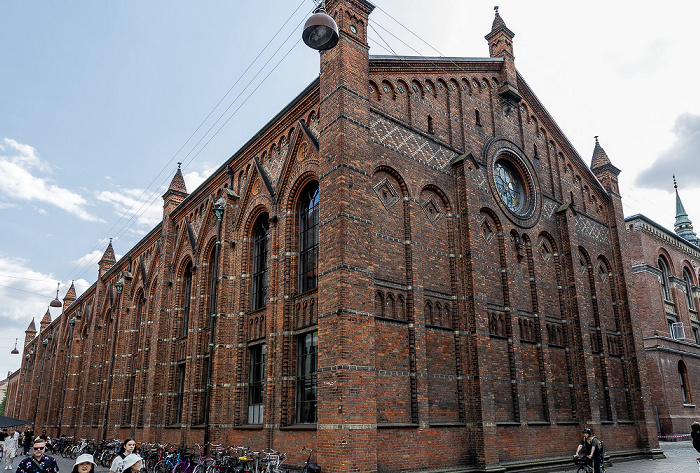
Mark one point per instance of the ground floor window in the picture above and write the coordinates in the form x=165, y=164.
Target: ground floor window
x=307, y=349
x=177, y=418
x=256, y=383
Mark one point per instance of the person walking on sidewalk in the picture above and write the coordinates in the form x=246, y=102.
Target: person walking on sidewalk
x=85, y=463
x=10, y=449
x=126, y=449
x=38, y=462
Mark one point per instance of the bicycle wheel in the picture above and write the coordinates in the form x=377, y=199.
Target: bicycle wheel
x=74, y=453
x=181, y=467
x=150, y=464
x=198, y=469
x=161, y=467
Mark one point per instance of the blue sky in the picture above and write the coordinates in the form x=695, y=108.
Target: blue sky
x=99, y=100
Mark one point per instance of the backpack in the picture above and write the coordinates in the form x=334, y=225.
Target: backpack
x=601, y=449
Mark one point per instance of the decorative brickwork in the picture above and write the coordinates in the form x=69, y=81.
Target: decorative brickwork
x=459, y=284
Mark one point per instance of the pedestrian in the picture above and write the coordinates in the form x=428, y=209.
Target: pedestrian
x=85, y=463
x=39, y=462
x=132, y=464
x=126, y=449
x=27, y=441
x=10, y=449
x=3, y=435
x=695, y=435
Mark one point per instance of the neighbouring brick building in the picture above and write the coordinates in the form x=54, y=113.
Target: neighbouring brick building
x=414, y=269
x=665, y=268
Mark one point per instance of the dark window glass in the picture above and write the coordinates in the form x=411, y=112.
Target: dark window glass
x=186, y=299
x=307, y=349
x=688, y=289
x=261, y=238
x=212, y=283
x=256, y=384
x=664, y=280
x=180, y=393
x=308, y=238
x=683, y=375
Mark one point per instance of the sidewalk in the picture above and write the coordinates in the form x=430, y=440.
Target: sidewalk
x=680, y=456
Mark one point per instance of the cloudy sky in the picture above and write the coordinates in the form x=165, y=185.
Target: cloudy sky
x=100, y=100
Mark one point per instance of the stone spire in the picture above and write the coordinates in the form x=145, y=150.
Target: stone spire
x=70, y=296
x=603, y=169
x=600, y=157
x=683, y=225
x=46, y=321
x=108, y=260
x=176, y=193
x=30, y=333
x=500, y=41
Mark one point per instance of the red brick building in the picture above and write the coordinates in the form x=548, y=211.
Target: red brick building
x=413, y=268
x=665, y=266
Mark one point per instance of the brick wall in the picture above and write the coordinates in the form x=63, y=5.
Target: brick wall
x=446, y=321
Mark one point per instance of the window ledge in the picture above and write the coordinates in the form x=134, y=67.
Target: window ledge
x=689, y=405
x=174, y=426
x=299, y=427
x=508, y=424
x=397, y=425
x=248, y=427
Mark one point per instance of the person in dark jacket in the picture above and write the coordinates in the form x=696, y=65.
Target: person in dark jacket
x=695, y=435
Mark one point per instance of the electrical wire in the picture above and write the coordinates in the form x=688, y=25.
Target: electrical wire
x=81, y=268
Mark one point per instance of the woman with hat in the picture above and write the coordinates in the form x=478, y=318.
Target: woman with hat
x=132, y=464
x=84, y=464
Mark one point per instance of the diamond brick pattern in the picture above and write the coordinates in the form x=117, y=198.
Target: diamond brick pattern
x=409, y=143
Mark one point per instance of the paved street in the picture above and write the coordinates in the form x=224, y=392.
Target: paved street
x=680, y=456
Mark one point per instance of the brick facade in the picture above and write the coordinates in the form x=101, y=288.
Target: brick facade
x=673, y=354
x=453, y=313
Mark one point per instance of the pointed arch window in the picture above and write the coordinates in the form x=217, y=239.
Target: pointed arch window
x=689, y=289
x=186, y=299
x=664, y=280
x=683, y=376
x=261, y=238
x=308, y=238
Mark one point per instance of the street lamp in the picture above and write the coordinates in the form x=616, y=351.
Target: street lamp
x=56, y=302
x=44, y=343
x=71, y=324
x=15, y=351
x=27, y=356
x=320, y=30
x=119, y=285
x=219, y=207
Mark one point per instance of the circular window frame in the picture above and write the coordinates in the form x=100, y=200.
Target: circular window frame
x=505, y=151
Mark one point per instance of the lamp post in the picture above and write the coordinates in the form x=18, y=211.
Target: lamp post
x=44, y=343
x=27, y=357
x=219, y=207
x=71, y=323
x=119, y=285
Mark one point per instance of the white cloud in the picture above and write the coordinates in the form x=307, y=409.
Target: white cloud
x=681, y=156
x=194, y=179
x=88, y=260
x=25, y=294
x=7, y=205
x=18, y=162
x=142, y=206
